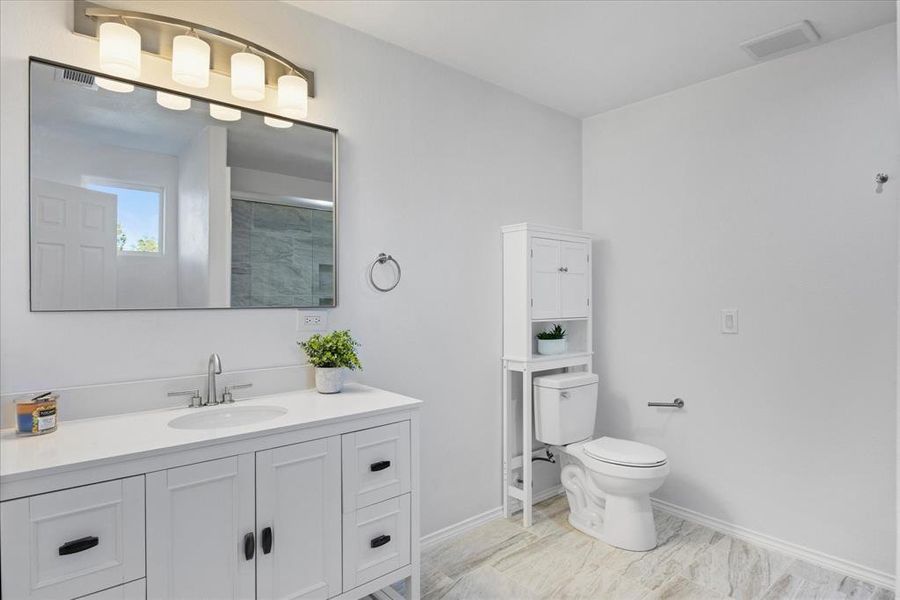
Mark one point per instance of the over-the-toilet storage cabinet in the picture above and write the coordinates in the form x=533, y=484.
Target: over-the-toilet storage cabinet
x=546, y=282
x=314, y=519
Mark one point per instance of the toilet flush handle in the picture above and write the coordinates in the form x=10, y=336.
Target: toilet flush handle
x=677, y=403
x=564, y=394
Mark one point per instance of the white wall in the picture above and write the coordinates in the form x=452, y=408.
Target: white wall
x=433, y=162
x=755, y=190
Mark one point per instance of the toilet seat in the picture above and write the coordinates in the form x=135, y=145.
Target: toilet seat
x=625, y=453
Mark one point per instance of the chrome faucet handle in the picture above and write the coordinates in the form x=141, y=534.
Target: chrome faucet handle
x=196, y=399
x=227, y=395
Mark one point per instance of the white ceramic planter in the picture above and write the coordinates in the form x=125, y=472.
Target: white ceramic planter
x=552, y=346
x=329, y=380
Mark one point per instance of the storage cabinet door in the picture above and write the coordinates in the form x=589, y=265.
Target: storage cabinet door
x=545, y=265
x=298, y=495
x=198, y=520
x=574, y=279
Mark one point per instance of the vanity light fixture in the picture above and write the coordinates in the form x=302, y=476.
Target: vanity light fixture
x=194, y=50
x=190, y=61
x=279, y=123
x=224, y=113
x=120, y=50
x=292, y=95
x=173, y=101
x=248, y=76
x=113, y=86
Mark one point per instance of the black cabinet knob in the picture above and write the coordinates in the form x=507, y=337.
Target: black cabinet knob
x=381, y=540
x=79, y=545
x=249, y=546
x=381, y=465
x=268, y=538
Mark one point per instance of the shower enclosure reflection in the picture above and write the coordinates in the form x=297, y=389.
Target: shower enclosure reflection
x=138, y=206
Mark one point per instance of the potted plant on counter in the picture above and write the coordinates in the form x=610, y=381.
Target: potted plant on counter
x=331, y=354
x=552, y=341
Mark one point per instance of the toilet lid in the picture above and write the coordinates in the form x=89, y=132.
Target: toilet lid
x=624, y=452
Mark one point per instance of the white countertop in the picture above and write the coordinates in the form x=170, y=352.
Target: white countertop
x=88, y=442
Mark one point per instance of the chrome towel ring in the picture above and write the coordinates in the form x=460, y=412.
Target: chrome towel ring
x=380, y=260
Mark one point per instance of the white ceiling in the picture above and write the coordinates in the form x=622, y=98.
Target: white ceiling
x=584, y=57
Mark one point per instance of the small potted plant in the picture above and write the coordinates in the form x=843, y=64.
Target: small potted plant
x=331, y=354
x=552, y=341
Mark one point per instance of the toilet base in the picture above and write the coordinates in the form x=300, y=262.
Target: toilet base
x=630, y=527
x=624, y=520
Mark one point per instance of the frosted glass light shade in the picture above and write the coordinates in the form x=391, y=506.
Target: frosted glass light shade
x=173, y=101
x=224, y=113
x=113, y=85
x=120, y=50
x=279, y=123
x=248, y=76
x=292, y=94
x=190, y=61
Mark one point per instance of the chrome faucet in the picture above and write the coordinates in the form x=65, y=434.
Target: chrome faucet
x=214, y=368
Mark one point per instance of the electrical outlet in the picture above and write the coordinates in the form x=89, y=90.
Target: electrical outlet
x=312, y=320
x=729, y=320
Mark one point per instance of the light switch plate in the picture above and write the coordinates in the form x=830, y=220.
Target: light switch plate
x=729, y=320
x=312, y=320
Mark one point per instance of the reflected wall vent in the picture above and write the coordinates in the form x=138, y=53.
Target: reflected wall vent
x=79, y=78
x=782, y=41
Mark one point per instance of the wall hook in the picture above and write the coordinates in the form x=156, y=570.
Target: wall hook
x=880, y=180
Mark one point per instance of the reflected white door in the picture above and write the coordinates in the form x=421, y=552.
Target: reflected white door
x=73, y=247
x=298, y=519
x=573, y=280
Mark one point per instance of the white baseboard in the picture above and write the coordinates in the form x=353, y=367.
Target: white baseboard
x=839, y=565
x=465, y=525
x=456, y=529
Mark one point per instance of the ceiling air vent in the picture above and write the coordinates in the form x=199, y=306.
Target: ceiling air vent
x=79, y=78
x=782, y=41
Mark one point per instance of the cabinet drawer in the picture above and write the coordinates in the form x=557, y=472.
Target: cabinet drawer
x=375, y=465
x=376, y=541
x=133, y=590
x=73, y=542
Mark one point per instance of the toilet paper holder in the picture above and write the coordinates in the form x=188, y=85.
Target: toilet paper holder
x=676, y=403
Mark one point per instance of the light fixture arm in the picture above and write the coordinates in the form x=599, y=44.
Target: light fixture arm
x=157, y=32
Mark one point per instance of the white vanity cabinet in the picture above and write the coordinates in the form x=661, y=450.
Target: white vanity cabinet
x=269, y=521
x=324, y=511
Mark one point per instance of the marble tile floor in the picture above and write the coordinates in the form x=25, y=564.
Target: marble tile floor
x=552, y=560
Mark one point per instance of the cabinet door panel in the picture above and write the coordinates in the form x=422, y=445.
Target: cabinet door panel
x=545, y=278
x=197, y=517
x=574, y=279
x=298, y=495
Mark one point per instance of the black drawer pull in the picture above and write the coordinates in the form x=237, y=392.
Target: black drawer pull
x=381, y=465
x=79, y=545
x=381, y=540
x=267, y=539
x=249, y=546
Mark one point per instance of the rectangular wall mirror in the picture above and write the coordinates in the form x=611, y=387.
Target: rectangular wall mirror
x=144, y=200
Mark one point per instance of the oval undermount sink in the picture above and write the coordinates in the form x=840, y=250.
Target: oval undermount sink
x=233, y=416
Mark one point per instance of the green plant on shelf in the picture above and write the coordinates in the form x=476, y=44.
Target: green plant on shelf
x=556, y=333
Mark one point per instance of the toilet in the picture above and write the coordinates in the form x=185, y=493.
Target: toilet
x=608, y=481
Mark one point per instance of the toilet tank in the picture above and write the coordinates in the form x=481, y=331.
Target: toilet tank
x=565, y=406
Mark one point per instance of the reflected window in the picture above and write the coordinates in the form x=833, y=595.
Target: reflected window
x=138, y=216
